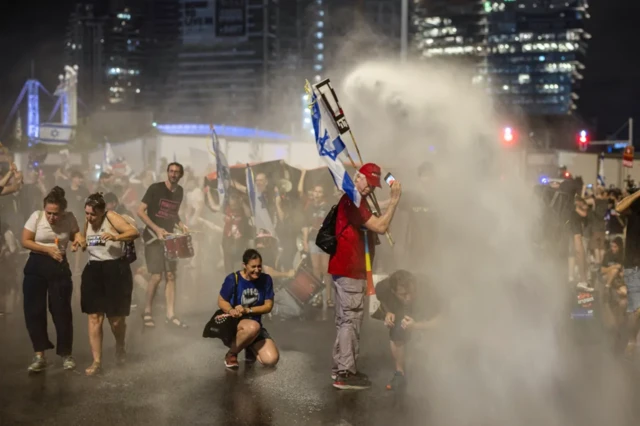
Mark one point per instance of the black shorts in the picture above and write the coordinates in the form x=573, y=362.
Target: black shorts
x=157, y=263
x=106, y=288
x=262, y=335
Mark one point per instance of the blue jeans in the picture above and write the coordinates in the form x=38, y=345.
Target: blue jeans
x=632, y=280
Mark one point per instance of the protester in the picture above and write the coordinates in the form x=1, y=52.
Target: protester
x=253, y=298
x=578, y=247
x=107, y=283
x=347, y=265
x=316, y=212
x=47, y=277
x=630, y=206
x=159, y=212
x=406, y=306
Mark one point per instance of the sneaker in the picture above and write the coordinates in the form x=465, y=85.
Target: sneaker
x=68, y=363
x=346, y=380
x=334, y=376
x=584, y=287
x=231, y=360
x=38, y=364
x=397, y=381
x=250, y=356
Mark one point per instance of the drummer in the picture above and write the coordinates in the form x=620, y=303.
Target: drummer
x=159, y=211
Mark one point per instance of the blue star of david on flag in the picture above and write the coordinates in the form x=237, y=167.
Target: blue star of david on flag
x=330, y=145
x=330, y=148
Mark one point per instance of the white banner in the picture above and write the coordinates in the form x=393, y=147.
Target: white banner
x=58, y=134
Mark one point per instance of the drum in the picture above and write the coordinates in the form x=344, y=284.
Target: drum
x=178, y=246
x=304, y=286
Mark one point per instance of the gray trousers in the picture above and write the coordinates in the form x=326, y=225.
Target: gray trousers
x=349, y=294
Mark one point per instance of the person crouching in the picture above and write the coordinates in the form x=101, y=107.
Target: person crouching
x=107, y=282
x=405, y=307
x=252, y=298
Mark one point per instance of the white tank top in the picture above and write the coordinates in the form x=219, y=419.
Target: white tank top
x=100, y=250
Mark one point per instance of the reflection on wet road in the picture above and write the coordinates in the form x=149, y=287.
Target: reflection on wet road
x=174, y=378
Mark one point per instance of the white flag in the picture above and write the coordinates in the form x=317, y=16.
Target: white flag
x=54, y=133
x=330, y=145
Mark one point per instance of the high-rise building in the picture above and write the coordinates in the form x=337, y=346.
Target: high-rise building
x=161, y=42
x=527, y=53
x=84, y=47
x=123, y=58
x=228, y=52
x=535, y=54
x=450, y=29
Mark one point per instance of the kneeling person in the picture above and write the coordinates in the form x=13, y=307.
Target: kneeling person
x=405, y=307
x=253, y=298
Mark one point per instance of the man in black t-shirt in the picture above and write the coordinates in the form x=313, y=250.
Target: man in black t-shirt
x=407, y=304
x=630, y=206
x=159, y=212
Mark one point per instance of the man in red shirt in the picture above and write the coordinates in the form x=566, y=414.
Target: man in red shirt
x=347, y=265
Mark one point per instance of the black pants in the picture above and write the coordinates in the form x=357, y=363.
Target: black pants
x=44, y=276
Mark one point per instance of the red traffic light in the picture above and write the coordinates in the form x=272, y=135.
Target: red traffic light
x=583, y=137
x=508, y=136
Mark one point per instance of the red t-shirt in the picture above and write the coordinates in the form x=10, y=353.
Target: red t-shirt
x=348, y=260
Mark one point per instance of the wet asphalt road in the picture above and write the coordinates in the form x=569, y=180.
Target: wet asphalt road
x=176, y=377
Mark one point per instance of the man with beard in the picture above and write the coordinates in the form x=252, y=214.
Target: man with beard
x=159, y=211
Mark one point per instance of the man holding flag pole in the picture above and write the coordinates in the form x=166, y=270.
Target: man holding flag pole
x=355, y=233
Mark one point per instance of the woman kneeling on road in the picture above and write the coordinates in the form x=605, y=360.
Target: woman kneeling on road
x=253, y=298
x=107, y=282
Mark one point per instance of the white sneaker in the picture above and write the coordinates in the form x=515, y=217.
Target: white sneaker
x=585, y=287
x=68, y=363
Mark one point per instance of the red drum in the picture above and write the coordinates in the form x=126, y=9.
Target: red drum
x=304, y=286
x=178, y=246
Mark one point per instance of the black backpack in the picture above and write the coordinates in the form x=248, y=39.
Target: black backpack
x=326, y=239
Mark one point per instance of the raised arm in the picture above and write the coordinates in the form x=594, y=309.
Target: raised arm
x=380, y=224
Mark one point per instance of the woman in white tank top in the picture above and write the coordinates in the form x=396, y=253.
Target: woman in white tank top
x=107, y=282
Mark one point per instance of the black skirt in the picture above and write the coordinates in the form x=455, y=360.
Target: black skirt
x=106, y=288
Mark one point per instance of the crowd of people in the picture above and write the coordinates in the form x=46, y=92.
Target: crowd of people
x=600, y=241
x=108, y=239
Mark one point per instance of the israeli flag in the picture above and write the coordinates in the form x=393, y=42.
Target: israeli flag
x=56, y=134
x=330, y=146
x=222, y=169
x=601, y=180
x=259, y=212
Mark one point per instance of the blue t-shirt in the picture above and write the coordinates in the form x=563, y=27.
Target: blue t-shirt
x=249, y=293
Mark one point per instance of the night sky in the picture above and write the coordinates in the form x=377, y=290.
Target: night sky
x=610, y=91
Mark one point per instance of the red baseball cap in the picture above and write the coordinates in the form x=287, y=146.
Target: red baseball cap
x=372, y=173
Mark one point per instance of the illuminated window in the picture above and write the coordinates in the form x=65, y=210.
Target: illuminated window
x=524, y=79
x=317, y=67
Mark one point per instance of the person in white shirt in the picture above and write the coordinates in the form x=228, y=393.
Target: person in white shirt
x=107, y=282
x=47, y=234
